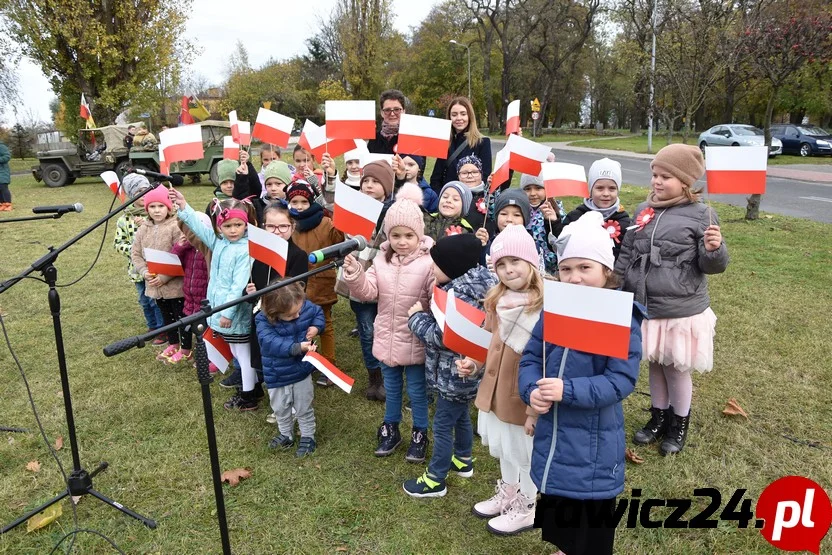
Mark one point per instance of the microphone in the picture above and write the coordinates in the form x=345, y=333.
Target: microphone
x=175, y=180
x=357, y=243
x=62, y=209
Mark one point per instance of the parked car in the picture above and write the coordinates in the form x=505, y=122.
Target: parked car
x=734, y=134
x=803, y=139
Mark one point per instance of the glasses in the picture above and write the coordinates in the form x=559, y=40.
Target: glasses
x=281, y=228
x=471, y=173
x=388, y=111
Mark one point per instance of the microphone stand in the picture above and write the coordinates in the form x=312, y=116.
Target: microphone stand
x=80, y=481
x=54, y=216
x=198, y=322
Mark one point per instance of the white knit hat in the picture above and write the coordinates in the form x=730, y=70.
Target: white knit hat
x=586, y=238
x=604, y=169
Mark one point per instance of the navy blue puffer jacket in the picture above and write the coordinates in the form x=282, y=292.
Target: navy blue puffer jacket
x=280, y=345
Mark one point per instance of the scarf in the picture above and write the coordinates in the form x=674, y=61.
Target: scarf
x=516, y=324
x=309, y=218
x=478, y=189
x=605, y=212
x=388, y=131
x=654, y=203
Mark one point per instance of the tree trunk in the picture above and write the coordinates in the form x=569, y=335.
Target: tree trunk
x=491, y=109
x=728, y=104
x=796, y=117
x=752, y=209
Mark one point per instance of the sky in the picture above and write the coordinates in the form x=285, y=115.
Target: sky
x=216, y=31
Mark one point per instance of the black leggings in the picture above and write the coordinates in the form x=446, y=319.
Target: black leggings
x=5, y=193
x=173, y=310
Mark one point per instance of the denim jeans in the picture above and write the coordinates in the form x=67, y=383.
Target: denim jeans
x=453, y=434
x=416, y=390
x=152, y=314
x=365, y=317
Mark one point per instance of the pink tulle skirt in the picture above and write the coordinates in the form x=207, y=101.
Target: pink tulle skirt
x=686, y=343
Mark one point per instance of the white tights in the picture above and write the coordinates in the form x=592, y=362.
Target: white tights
x=512, y=474
x=242, y=352
x=669, y=386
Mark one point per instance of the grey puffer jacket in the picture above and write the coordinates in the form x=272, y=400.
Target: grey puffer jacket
x=440, y=369
x=665, y=264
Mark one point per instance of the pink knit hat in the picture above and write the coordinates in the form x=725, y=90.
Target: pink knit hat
x=515, y=241
x=406, y=213
x=159, y=194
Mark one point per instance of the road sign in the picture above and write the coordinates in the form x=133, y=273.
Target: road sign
x=535, y=115
x=431, y=113
x=535, y=105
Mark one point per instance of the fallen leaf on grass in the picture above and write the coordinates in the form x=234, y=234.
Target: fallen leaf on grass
x=342, y=548
x=632, y=456
x=33, y=466
x=59, y=443
x=233, y=477
x=44, y=517
x=732, y=408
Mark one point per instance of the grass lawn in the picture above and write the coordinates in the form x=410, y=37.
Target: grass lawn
x=631, y=144
x=146, y=420
x=789, y=159
x=18, y=165
x=552, y=137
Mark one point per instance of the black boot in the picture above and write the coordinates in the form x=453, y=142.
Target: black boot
x=677, y=433
x=418, y=446
x=655, y=428
x=372, y=390
x=381, y=393
x=388, y=439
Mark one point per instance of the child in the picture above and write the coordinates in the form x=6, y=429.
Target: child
x=665, y=263
x=315, y=231
x=160, y=232
x=578, y=458
x=352, y=174
x=505, y=423
x=285, y=329
x=455, y=266
x=226, y=175
x=126, y=226
x=191, y=251
x=230, y=269
x=377, y=183
x=542, y=222
x=277, y=178
x=400, y=276
x=268, y=154
x=247, y=181
x=511, y=207
x=305, y=168
x=454, y=203
x=469, y=169
x=410, y=168
x=604, y=187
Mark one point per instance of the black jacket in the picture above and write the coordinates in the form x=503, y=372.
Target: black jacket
x=380, y=145
x=444, y=172
x=247, y=185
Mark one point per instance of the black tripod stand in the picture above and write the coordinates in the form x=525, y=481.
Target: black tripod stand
x=80, y=481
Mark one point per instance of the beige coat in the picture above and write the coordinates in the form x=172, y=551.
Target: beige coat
x=160, y=237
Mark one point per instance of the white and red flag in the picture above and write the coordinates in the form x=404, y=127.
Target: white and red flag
x=230, y=148
x=314, y=139
x=461, y=335
x=589, y=319
x=355, y=213
x=218, y=350
x=563, y=180
x=439, y=304
x=501, y=169
x=235, y=125
x=163, y=263
x=329, y=370
x=526, y=156
x=350, y=119
x=513, y=117
x=245, y=133
x=268, y=248
x=182, y=143
x=424, y=136
x=85, y=108
x=111, y=179
x=164, y=167
x=273, y=128
x=736, y=170
x=369, y=157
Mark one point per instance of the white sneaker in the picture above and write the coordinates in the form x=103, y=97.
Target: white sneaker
x=518, y=517
x=499, y=503
x=272, y=418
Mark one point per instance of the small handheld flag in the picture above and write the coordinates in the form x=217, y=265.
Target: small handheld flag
x=163, y=263
x=736, y=170
x=329, y=370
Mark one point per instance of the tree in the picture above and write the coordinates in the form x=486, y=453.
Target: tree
x=8, y=76
x=112, y=52
x=20, y=141
x=780, y=39
x=363, y=26
x=238, y=61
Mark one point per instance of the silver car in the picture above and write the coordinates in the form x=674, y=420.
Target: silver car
x=738, y=135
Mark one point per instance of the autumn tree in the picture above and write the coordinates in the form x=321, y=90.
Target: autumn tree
x=113, y=52
x=363, y=26
x=20, y=141
x=8, y=76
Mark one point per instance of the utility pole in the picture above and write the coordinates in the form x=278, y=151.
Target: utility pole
x=652, y=81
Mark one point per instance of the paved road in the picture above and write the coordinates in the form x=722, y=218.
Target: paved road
x=802, y=199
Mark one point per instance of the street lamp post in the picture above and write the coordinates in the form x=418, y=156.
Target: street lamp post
x=468, y=48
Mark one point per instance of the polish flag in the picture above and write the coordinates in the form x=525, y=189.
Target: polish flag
x=230, y=149
x=564, y=180
x=329, y=370
x=355, y=213
x=314, y=140
x=268, y=248
x=424, y=136
x=163, y=165
x=501, y=172
x=368, y=157
x=235, y=125
x=245, y=133
x=736, y=170
x=461, y=335
x=182, y=143
x=163, y=263
x=217, y=349
x=273, y=128
x=439, y=303
x=513, y=117
x=526, y=156
x=111, y=179
x=589, y=319
x=351, y=119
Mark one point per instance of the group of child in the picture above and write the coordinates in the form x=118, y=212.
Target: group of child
x=557, y=431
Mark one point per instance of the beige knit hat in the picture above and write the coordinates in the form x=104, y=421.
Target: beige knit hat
x=685, y=162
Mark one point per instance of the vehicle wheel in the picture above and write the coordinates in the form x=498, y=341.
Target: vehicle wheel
x=55, y=175
x=805, y=149
x=702, y=146
x=214, y=173
x=70, y=180
x=735, y=144
x=122, y=167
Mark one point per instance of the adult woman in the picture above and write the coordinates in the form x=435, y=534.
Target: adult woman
x=392, y=108
x=466, y=140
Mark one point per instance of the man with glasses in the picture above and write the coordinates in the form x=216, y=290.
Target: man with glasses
x=392, y=108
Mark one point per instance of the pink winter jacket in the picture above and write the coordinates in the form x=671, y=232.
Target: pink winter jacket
x=397, y=285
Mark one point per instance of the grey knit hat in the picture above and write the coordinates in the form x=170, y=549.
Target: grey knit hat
x=464, y=193
x=133, y=183
x=527, y=180
x=513, y=197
